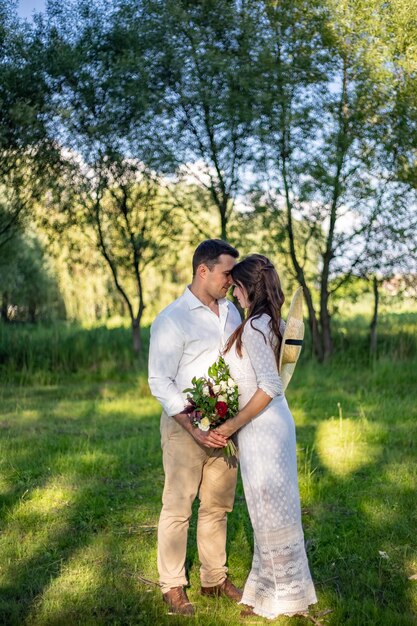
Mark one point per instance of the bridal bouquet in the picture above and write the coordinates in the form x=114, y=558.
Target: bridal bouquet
x=213, y=400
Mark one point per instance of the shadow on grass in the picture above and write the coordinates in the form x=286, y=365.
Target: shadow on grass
x=359, y=561
x=102, y=465
x=81, y=564
x=84, y=489
x=360, y=519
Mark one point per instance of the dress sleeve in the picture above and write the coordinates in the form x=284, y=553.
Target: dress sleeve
x=262, y=357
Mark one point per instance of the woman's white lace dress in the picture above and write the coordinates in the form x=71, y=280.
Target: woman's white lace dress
x=279, y=581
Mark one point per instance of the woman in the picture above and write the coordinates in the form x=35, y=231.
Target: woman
x=279, y=581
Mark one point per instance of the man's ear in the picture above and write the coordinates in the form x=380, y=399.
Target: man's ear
x=202, y=270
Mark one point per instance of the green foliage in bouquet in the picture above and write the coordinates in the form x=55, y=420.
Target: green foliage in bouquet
x=214, y=399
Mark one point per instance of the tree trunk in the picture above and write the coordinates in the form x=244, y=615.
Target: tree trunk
x=325, y=321
x=313, y=324
x=223, y=223
x=98, y=311
x=4, y=307
x=137, y=342
x=328, y=254
x=32, y=313
x=326, y=330
x=374, y=322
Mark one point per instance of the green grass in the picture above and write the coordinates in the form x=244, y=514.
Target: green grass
x=48, y=354
x=81, y=482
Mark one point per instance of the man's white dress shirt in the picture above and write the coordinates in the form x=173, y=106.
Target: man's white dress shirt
x=186, y=338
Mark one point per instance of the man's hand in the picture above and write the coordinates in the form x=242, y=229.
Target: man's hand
x=209, y=438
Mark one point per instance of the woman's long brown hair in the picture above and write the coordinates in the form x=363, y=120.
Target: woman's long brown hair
x=257, y=275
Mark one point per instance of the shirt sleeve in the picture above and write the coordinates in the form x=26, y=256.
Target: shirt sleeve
x=165, y=352
x=262, y=357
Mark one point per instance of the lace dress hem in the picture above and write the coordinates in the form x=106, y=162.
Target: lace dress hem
x=273, y=608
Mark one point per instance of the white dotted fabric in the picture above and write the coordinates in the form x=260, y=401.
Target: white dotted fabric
x=279, y=581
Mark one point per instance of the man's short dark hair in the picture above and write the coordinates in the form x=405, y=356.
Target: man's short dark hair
x=208, y=252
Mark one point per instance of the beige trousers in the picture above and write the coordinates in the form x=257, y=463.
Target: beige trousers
x=191, y=469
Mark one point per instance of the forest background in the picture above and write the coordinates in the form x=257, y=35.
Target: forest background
x=131, y=132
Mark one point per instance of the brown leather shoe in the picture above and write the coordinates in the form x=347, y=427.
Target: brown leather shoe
x=178, y=602
x=226, y=588
x=247, y=611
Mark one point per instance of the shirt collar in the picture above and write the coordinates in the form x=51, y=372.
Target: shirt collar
x=193, y=302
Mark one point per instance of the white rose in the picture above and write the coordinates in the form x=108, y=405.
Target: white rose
x=223, y=385
x=206, y=390
x=231, y=383
x=221, y=398
x=217, y=389
x=204, y=424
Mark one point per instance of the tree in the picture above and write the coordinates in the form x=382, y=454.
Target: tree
x=106, y=120
x=28, y=289
x=205, y=50
x=319, y=126
x=27, y=156
x=392, y=250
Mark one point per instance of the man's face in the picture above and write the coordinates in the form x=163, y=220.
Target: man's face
x=218, y=280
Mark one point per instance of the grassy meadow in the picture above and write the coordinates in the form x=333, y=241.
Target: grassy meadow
x=81, y=482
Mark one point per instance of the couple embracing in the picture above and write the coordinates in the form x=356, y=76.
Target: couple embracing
x=186, y=338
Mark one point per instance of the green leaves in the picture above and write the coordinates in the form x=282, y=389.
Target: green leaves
x=219, y=371
x=218, y=387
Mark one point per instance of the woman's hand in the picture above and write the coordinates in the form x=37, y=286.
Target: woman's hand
x=209, y=438
x=228, y=428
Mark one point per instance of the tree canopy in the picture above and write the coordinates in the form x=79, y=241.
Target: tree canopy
x=285, y=126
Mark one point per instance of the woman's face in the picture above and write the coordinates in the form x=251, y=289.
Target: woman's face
x=241, y=295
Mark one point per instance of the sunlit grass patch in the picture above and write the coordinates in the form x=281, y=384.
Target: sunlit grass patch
x=74, y=590
x=343, y=445
x=91, y=462
x=307, y=467
x=32, y=539
x=45, y=501
x=380, y=514
x=127, y=407
x=29, y=415
x=301, y=416
x=5, y=486
x=33, y=530
x=401, y=474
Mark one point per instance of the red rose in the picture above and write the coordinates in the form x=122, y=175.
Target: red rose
x=221, y=409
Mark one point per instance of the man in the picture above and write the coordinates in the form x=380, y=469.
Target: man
x=186, y=339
